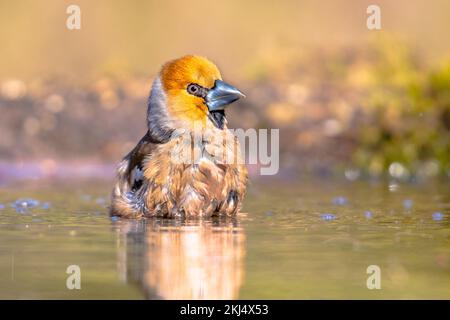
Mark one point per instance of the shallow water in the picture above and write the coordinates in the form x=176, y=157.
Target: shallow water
x=309, y=239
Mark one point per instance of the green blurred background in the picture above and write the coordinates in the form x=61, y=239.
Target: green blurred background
x=346, y=99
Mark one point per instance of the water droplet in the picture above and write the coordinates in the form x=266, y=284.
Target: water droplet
x=393, y=187
x=327, y=216
x=340, y=201
x=368, y=214
x=438, y=216
x=46, y=205
x=25, y=203
x=408, y=203
x=21, y=210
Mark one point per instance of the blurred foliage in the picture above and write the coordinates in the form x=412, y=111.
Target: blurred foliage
x=341, y=100
x=407, y=111
x=376, y=108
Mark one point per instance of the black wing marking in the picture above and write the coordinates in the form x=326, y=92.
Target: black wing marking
x=136, y=158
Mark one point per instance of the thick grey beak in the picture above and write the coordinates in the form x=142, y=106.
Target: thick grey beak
x=221, y=95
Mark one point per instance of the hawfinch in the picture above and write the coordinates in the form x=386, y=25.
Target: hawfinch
x=188, y=164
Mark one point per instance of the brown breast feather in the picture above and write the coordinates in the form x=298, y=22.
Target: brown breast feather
x=171, y=189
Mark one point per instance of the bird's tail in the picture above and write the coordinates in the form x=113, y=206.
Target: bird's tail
x=123, y=198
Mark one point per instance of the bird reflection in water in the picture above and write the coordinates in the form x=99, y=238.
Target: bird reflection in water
x=172, y=259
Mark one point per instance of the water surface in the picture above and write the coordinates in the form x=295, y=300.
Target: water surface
x=299, y=240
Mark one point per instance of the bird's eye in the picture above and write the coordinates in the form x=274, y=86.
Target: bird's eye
x=193, y=88
x=197, y=90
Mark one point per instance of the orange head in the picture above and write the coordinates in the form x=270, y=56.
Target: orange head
x=190, y=90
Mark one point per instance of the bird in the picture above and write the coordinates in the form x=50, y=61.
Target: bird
x=188, y=163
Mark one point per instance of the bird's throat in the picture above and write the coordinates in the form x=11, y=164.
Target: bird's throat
x=218, y=118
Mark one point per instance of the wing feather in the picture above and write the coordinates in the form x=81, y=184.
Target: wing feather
x=131, y=167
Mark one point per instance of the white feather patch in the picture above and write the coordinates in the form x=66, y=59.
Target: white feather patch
x=136, y=175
